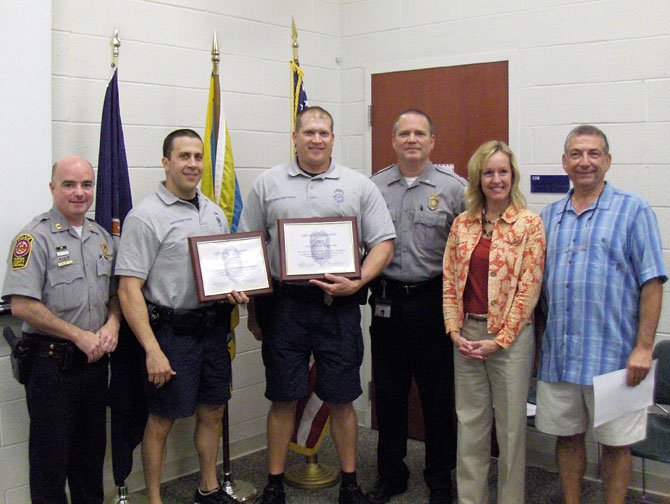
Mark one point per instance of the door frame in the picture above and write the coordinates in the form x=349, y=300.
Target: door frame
x=514, y=138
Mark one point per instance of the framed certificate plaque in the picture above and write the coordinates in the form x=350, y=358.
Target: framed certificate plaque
x=226, y=262
x=311, y=247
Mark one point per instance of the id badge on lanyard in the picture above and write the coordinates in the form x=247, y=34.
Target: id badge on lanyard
x=382, y=303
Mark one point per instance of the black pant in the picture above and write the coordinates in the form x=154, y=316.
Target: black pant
x=67, y=430
x=413, y=342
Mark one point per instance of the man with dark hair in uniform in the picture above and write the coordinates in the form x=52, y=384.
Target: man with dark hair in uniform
x=59, y=282
x=407, y=332
x=187, y=362
x=319, y=317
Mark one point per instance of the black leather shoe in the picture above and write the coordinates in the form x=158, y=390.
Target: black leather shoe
x=440, y=496
x=352, y=495
x=382, y=491
x=272, y=495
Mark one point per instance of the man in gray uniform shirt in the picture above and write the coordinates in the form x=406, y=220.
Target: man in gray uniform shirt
x=187, y=362
x=59, y=282
x=407, y=332
x=319, y=317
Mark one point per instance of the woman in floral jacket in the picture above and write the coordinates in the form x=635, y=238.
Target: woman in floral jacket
x=493, y=266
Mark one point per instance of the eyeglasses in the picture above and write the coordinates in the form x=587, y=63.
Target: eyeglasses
x=567, y=201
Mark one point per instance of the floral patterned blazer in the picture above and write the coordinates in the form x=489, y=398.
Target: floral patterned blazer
x=516, y=265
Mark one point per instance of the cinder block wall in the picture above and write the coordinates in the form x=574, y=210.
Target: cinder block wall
x=571, y=61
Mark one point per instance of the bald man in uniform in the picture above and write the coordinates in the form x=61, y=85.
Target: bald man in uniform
x=59, y=282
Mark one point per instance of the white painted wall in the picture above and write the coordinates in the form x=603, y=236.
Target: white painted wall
x=25, y=102
x=602, y=61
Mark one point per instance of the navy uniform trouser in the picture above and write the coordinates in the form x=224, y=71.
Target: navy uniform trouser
x=413, y=342
x=67, y=430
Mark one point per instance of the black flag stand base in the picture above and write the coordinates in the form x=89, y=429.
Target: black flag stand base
x=241, y=491
x=122, y=495
x=311, y=475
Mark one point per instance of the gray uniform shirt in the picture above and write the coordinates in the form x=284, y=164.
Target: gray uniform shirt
x=72, y=276
x=422, y=214
x=154, y=245
x=285, y=192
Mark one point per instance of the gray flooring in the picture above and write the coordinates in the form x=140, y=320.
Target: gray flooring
x=541, y=486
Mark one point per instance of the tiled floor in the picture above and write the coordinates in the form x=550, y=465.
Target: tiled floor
x=542, y=487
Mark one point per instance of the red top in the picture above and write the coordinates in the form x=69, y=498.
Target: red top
x=476, y=293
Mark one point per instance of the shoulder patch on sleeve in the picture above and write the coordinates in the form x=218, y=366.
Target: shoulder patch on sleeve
x=23, y=246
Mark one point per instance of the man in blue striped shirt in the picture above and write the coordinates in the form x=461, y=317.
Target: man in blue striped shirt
x=603, y=289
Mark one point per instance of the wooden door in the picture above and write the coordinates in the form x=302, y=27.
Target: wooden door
x=469, y=104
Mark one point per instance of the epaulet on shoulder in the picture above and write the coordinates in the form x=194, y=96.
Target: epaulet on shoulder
x=37, y=220
x=96, y=224
x=447, y=170
x=383, y=170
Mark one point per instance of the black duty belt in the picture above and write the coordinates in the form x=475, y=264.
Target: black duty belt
x=310, y=293
x=387, y=287
x=194, y=320
x=55, y=348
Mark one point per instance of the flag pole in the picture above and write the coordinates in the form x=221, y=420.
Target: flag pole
x=294, y=47
x=311, y=474
x=216, y=55
x=115, y=43
x=294, y=38
x=241, y=491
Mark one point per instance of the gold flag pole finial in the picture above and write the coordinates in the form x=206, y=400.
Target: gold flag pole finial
x=216, y=55
x=294, y=38
x=115, y=43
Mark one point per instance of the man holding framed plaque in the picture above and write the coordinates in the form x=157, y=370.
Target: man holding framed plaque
x=316, y=214
x=187, y=362
x=407, y=332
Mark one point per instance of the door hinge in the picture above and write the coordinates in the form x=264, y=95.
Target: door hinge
x=370, y=116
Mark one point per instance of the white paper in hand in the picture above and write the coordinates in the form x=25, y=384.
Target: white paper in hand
x=613, y=398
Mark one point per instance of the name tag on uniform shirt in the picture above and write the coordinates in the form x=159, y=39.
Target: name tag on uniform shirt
x=63, y=256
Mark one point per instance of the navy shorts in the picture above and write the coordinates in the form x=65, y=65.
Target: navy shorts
x=202, y=364
x=296, y=328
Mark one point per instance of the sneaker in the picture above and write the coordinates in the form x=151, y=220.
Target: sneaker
x=272, y=495
x=218, y=497
x=352, y=495
x=382, y=491
x=440, y=496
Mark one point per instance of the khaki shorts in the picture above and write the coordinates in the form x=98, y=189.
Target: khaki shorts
x=566, y=409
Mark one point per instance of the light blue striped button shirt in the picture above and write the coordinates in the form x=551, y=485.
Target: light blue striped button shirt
x=596, y=265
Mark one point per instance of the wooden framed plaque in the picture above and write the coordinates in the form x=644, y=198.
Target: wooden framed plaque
x=226, y=262
x=311, y=247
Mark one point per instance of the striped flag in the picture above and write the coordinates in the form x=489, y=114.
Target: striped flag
x=113, y=200
x=219, y=182
x=312, y=417
x=312, y=420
